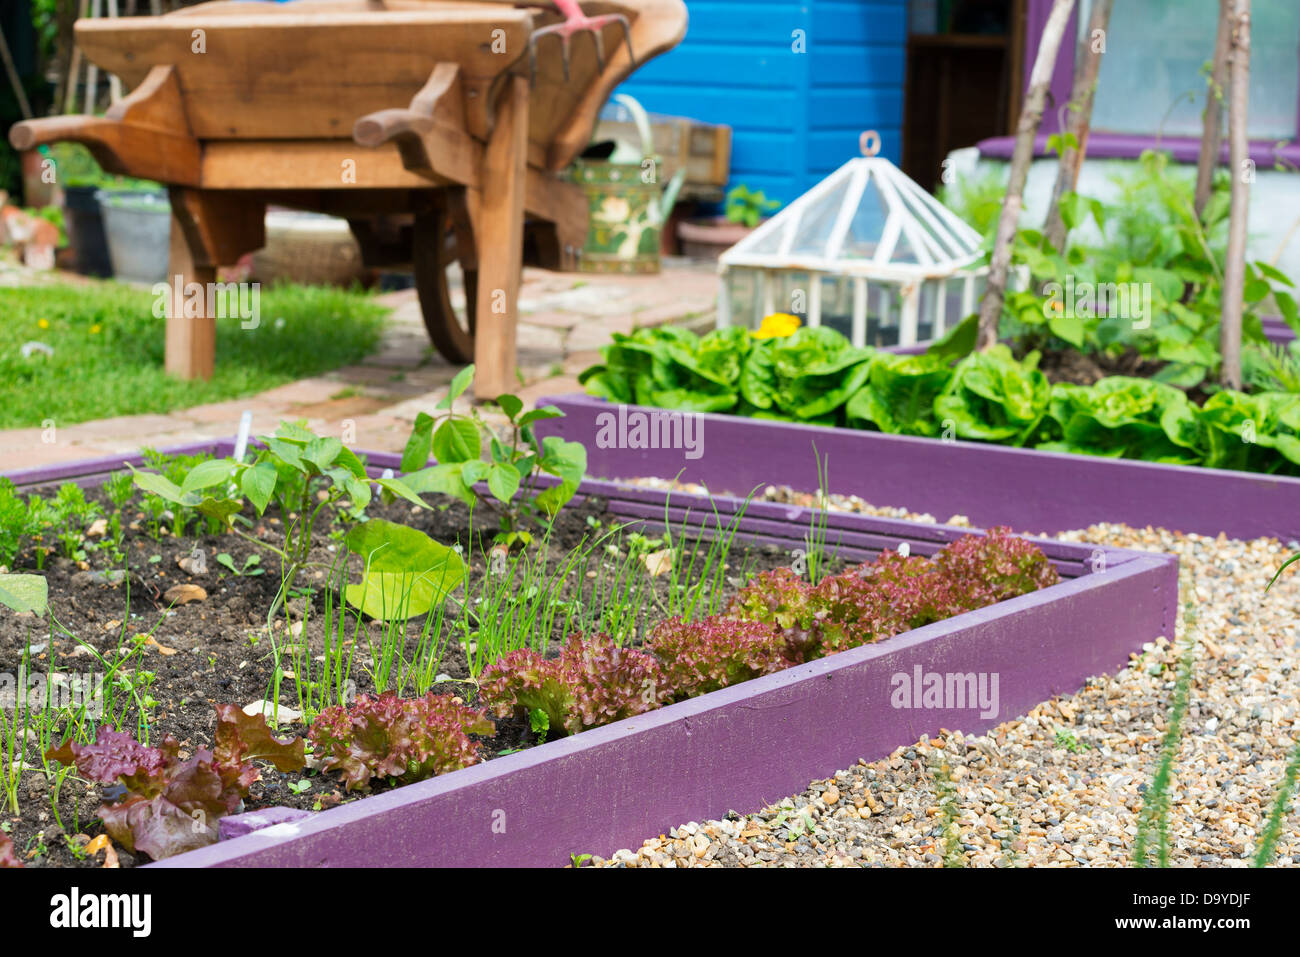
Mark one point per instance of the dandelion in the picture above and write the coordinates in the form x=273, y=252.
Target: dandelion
x=43, y=323
x=777, y=326
x=95, y=329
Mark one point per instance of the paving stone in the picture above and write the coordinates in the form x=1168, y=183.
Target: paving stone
x=597, y=333
x=122, y=426
x=304, y=391
x=552, y=320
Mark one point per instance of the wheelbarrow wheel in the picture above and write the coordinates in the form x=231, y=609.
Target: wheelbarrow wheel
x=435, y=255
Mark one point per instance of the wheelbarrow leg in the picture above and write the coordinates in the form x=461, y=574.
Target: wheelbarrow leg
x=191, y=349
x=497, y=209
x=208, y=230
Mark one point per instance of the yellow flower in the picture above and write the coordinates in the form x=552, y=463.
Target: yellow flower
x=777, y=326
x=94, y=330
x=43, y=323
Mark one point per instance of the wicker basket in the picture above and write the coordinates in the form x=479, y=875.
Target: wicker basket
x=307, y=248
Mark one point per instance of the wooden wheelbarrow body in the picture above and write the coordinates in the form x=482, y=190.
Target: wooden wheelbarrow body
x=419, y=121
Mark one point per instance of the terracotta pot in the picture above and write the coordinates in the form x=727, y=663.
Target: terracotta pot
x=709, y=238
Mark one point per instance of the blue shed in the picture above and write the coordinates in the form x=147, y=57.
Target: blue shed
x=796, y=82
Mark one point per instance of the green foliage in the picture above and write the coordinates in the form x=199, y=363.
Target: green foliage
x=294, y=459
x=1149, y=235
x=24, y=593
x=406, y=573
x=1155, y=804
x=671, y=366
x=746, y=206
x=806, y=376
x=993, y=398
x=976, y=199
x=1124, y=417
x=899, y=397
x=815, y=375
x=511, y=465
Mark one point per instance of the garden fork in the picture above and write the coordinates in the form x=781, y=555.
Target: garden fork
x=575, y=21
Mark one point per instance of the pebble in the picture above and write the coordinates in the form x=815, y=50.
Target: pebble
x=1022, y=797
x=184, y=594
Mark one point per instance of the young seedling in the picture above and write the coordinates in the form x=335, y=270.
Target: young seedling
x=511, y=465
x=252, y=565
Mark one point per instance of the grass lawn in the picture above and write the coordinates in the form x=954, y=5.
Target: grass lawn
x=108, y=349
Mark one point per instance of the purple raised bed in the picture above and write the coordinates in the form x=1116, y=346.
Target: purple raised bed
x=990, y=484
x=746, y=745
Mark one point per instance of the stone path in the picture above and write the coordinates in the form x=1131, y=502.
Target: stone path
x=565, y=319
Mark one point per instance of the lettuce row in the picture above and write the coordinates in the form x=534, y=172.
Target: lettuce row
x=815, y=376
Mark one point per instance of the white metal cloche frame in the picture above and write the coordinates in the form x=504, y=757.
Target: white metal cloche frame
x=920, y=240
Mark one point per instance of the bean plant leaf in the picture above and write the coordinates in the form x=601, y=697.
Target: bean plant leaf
x=456, y=440
x=406, y=574
x=206, y=474
x=219, y=509
x=442, y=480
x=399, y=488
x=258, y=483
x=536, y=415
x=511, y=405
x=161, y=486
x=25, y=593
x=503, y=481
x=322, y=452
x=458, y=385
x=420, y=445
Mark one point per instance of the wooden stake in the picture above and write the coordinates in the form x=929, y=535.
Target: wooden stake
x=1234, y=273
x=1212, y=119
x=1087, y=66
x=1040, y=79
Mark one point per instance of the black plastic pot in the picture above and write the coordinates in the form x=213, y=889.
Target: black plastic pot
x=85, y=228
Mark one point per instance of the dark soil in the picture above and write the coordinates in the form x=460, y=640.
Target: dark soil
x=217, y=650
x=1078, y=368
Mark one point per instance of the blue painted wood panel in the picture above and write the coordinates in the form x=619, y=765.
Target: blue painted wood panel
x=795, y=114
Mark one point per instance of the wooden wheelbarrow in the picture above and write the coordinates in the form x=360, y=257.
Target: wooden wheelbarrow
x=435, y=128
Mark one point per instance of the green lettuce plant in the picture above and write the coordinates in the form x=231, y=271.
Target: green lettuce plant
x=993, y=398
x=899, y=395
x=672, y=367
x=1124, y=417
x=806, y=376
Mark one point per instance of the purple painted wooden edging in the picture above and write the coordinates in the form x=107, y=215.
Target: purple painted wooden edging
x=738, y=748
x=85, y=471
x=743, y=746
x=1101, y=145
x=990, y=484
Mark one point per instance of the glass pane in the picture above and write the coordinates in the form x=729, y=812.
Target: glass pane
x=903, y=252
x=791, y=294
x=815, y=224
x=741, y=288
x=943, y=244
x=769, y=244
x=1154, y=53
x=837, y=304
x=867, y=225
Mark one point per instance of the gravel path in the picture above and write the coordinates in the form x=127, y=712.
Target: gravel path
x=1063, y=785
